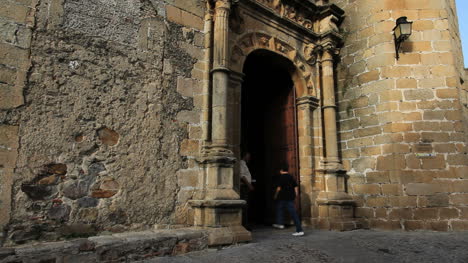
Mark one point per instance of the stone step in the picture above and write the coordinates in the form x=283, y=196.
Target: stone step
x=122, y=247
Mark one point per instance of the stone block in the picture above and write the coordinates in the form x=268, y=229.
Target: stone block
x=400, y=213
x=388, y=106
x=185, y=86
x=425, y=213
x=448, y=213
x=367, y=189
x=391, y=162
x=369, y=76
x=427, y=83
x=192, y=117
x=406, y=83
x=459, y=199
x=397, y=127
x=460, y=186
x=381, y=60
x=381, y=212
x=360, y=142
x=425, y=188
x=463, y=212
x=443, y=71
x=419, y=94
x=370, y=151
x=364, y=132
x=437, y=225
x=435, y=137
x=421, y=25
x=402, y=201
x=437, y=162
x=407, y=106
x=189, y=147
x=385, y=224
x=409, y=58
x=364, y=212
x=426, y=126
x=378, y=201
x=461, y=225
x=368, y=121
x=392, y=189
x=442, y=46
x=187, y=178
x=16, y=12
x=377, y=177
x=411, y=225
x=437, y=200
x=390, y=95
x=10, y=96
x=396, y=71
x=182, y=17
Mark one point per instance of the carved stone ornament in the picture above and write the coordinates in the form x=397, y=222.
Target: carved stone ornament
x=311, y=52
x=329, y=24
x=288, y=11
x=236, y=21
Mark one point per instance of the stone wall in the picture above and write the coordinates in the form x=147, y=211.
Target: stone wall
x=100, y=115
x=402, y=137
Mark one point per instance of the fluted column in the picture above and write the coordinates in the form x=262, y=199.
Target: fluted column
x=220, y=74
x=329, y=112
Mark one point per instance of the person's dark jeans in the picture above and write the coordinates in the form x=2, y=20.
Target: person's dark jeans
x=289, y=204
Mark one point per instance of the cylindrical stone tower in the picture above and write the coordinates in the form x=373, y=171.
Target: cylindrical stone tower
x=401, y=130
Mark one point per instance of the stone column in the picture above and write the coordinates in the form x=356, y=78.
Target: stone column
x=217, y=204
x=336, y=207
x=329, y=112
x=220, y=74
x=305, y=108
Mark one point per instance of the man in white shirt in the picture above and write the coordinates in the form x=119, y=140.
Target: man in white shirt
x=246, y=186
x=245, y=175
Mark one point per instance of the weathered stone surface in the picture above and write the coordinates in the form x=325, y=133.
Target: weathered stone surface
x=38, y=192
x=59, y=213
x=108, y=136
x=86, y=202
x=77, y=230
x=103, y=193
x=75, y=189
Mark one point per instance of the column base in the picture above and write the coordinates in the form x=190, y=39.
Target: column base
x=228, y=235
x=223, y=218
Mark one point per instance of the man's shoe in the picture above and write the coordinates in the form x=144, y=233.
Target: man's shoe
x=298, y=234
x=278, y=226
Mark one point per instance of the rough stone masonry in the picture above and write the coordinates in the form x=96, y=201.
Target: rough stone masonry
x=103, y=113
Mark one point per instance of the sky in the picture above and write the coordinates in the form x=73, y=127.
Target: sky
x=462, y=10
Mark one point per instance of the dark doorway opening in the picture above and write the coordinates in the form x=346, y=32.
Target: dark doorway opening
x=269, y=129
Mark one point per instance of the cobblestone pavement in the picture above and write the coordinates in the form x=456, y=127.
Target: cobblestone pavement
x=323, y=246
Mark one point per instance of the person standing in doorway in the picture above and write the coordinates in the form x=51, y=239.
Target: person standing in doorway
x=285, y=194
x=246, y=187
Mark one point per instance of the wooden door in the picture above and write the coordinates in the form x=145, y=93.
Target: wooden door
x=281, y=133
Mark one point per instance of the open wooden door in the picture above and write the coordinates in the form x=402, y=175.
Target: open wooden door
x=269, y=129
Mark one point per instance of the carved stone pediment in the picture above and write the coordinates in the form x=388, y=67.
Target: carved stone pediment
x=317, y=19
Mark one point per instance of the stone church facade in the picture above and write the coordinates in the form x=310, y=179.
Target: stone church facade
x=128, y=115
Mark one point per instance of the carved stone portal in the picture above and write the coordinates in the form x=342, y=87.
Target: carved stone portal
x=308, y=36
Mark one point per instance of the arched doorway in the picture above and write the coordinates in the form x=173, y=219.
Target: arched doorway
x=269, y=127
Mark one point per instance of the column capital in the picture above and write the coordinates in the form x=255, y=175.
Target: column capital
x=226, y=4
x=237, y=77
x=330, y=51
x=308, y=100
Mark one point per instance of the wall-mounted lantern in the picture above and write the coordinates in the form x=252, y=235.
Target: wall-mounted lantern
x=401, y=32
